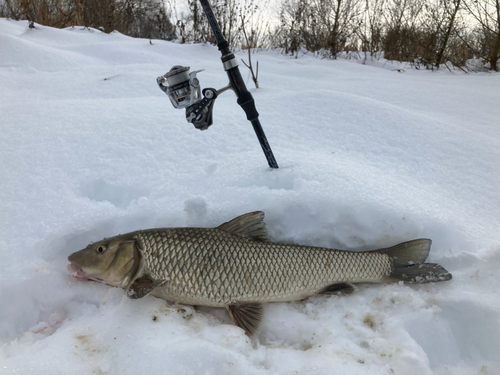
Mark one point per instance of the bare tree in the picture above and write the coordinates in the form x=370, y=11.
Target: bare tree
x=56, y=13
x=288, y=35
x=318, y=24
x=487, y=15
x=401, y=40
x=255, y=74
x=451, y=15
x=255, y=32
x=371, y=29
x=342, y=21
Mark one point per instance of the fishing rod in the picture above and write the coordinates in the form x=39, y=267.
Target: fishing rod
x=184, y=91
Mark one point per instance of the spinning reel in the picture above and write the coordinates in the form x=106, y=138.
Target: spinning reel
x=183, y=90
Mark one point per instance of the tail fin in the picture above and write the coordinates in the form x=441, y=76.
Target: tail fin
x=408, y=263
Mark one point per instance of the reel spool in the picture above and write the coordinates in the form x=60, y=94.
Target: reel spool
x=184, y=91
x=183, y=88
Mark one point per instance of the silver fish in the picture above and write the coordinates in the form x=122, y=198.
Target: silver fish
x=236, y=267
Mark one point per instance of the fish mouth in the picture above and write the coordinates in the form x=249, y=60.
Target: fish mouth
x=81, y=274
x=76, y=271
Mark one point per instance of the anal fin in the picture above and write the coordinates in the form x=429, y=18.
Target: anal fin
x=246, y=315
x=338, y=288
x=142, y=286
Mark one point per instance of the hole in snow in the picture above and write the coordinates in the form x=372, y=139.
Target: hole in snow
x=120, y=196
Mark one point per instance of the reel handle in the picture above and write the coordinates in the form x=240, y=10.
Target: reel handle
x=200, y=114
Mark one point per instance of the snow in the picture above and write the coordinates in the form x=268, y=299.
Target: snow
x=369, y=157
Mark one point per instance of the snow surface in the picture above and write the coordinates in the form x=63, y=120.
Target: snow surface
x=369, y=157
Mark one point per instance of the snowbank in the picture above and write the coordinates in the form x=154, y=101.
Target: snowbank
x=368, y=158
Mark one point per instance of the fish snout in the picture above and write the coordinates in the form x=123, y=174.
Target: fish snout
x=73, y=258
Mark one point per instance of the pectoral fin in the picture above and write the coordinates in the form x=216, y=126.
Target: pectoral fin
x=142, y=286
x=246, y=315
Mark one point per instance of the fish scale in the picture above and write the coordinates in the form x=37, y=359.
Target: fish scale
x=216, y=268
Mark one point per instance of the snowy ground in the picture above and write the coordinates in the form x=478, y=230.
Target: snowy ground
x=369, y=157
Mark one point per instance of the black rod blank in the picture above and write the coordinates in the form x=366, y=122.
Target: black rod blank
x=245, y=98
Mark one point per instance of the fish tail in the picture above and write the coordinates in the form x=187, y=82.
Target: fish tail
x=408, y=263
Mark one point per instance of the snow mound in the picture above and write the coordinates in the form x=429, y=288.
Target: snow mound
x=368, y=157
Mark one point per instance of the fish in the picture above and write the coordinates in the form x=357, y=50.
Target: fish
x=235, y=266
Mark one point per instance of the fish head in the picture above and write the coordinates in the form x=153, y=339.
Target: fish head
x=113, y=261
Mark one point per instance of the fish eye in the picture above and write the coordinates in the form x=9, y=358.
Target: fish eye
x=100, y=249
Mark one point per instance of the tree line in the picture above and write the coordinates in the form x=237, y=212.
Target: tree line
x=136, y=18
x=427, y=33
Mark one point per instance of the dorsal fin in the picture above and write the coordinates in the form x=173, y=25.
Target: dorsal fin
x=248, y=225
